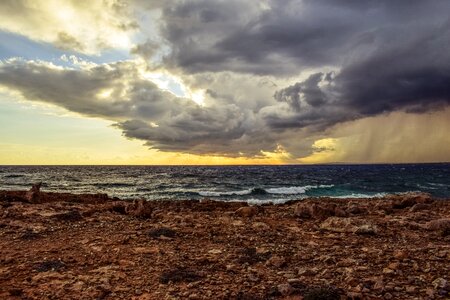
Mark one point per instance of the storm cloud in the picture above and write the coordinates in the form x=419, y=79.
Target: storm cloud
x=271, y=72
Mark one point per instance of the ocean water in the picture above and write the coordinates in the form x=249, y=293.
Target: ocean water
x=254, y=184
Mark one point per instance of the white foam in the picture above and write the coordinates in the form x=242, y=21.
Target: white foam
x=360, y=196
x=230, y=193
x=291, y=190
x=294, y=190
x=254, y=201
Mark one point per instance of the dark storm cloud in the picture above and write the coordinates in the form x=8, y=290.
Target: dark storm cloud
x=140, y=108
x=388, y=55
x=412, y=75
x=273, y=72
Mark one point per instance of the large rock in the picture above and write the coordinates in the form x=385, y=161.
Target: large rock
x=34, y=194
x=349, y=225
x=308, y=210
x=410, y=199
x=139, y=208
x=438, y=225
x=246, y=211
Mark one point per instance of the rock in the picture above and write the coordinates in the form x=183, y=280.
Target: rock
x=401, y=254
x=346, y=262
x=404, y=203
x=302, y=210
x=419, y=207
x=366, y=229
x=139, y=208
x=34, y=194
x=162, y=232
x=410, y=199
x=179, y=275
x=339, y=212
x=441, y=284
x=437, y=225
x=322, y=211
x=354, y=295
x=285, y=289
x=70, y=216
x=246, y=211
x=260, y=225
x=326, y=292
x=118, y=207
x=356, y=210
x=276, y=261
x=307, y=210
x=15, y=292
x=336, y=224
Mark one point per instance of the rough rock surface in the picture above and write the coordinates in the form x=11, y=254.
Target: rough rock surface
x=93, y=247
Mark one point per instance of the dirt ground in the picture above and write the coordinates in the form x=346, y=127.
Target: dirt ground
x=64, y=246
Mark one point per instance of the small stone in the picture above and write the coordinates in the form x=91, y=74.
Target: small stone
x=354, y=295
x=394, y=266
x=276, y=261
x=366, y=229
x=441, y=283
x=285, y=289
x=401, y=254
x=253, y=277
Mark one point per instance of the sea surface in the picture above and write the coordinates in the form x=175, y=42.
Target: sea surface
x=254, y=184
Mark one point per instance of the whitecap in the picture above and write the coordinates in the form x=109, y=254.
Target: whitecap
x=229, y=193
x=293, y=190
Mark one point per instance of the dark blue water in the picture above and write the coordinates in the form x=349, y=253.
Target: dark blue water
x=257, y=184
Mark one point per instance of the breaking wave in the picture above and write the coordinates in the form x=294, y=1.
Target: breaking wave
x=292, y=190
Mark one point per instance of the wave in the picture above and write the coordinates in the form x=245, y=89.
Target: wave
x=13, y=176
x=360, y=195
x=112, y=184
x=292, y=190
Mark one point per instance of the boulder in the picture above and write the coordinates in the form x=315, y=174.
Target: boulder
x=438, y=225
x=308, y=210
x=34, y=194
x=246, y=211
x=139, y=208
x=419, y=206
x=366, y=229
x=356, y=210
x=349, y=225
x=285, y=289
x=337, y=224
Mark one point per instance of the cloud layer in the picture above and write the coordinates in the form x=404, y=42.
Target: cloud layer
x=272, y=72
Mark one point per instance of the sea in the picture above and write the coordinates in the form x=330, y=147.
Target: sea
x=252, y=184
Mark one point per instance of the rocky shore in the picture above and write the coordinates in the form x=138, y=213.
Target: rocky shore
x=66, y=246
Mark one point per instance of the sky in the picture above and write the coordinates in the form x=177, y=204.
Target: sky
x=224, y=82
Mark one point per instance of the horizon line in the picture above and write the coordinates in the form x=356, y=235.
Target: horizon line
x=219, y=165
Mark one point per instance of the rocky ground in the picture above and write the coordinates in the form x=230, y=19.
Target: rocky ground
x=64, y=246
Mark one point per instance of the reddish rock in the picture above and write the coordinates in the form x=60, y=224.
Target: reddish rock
x=401, y=254
x=440, y=224
x=34, y=194
x=246, y=211
x=419, y=207
x=285, y=289
x=139, y=208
